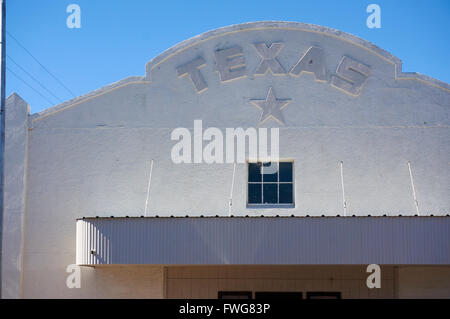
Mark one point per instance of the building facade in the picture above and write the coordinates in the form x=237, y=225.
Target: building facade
x=167, y=186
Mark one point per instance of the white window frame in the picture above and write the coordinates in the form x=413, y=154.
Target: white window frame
x=274, y=205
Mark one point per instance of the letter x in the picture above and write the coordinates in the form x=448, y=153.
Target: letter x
x=269, y=58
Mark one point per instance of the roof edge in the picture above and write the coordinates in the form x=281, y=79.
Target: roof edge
x=265, y=217
x=90, y=95
x=399, y=74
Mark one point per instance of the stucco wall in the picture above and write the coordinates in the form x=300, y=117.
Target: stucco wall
x=124, y=282
x=207, y=281
x=99, y=149
x=424, y=282
x=91, y=156
x=129, y=282
x=15, y=166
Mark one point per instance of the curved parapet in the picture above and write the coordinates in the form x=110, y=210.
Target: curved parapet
x=202, y=56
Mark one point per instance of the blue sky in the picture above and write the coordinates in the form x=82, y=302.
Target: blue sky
x=117, y=38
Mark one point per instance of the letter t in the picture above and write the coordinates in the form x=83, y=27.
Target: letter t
x=192, y=69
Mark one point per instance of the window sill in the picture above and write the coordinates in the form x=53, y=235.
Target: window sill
x=268, y=206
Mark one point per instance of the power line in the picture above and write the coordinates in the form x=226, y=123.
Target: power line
x=31, y=87
x=23, y=47
x=33, y=78
x=2, y=129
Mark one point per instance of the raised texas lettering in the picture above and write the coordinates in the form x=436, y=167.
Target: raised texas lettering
x=269, y=58
x=230, y=63
x=192, y=69
x=312, y=61
x=350, y=76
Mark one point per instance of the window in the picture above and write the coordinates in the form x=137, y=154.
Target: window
x=235, y=295
x=278, y=295
x=270, y=184
x=323, y=295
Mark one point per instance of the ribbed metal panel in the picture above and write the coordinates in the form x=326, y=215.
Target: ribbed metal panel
x=329, y=240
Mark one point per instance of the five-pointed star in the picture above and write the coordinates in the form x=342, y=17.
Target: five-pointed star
x=271, y=107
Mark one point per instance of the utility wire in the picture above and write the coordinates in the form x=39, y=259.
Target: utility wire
x=31, y=87
x=26, y=50
x=36, y=80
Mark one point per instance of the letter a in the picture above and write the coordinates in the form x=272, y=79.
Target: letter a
x=374, y=279
x=313, y=62
x=373, y=20
x=74, y=279
x=73, y=20
x=181, y=152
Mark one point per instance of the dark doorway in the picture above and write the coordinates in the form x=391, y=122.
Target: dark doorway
x=288, y=295
x=235, y=295
x=323, y=295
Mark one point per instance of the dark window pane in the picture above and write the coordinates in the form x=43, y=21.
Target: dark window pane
x=254, y=172
x=270, y=171
x=284, y=295
x=285, y=171
x=235, y=295
x=270, y=193
x=254, y=194
x=286, y=194
x=323, y=295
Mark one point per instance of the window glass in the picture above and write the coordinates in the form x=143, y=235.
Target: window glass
x=254, y=172
x=270, y=183
x=286, y=194
x=323, y=295
x=270, y=193
x=254, y=193
x=235, y=295
x=283, y=295
x=270, y=171
x=285, y=171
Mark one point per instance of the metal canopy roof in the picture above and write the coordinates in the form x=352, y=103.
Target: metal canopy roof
x=264, y=240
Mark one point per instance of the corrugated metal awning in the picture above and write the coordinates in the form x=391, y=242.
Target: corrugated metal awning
x=264, y=240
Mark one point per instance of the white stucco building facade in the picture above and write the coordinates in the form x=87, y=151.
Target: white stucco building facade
x=367, y=182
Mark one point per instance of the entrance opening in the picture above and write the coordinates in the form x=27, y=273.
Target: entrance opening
x=285, y=295
x=323, y=295
x=235, y=295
